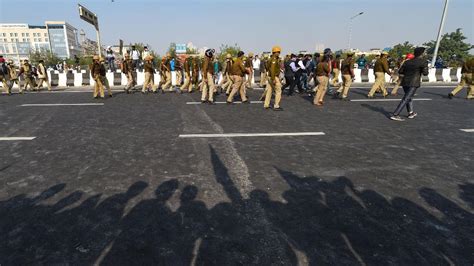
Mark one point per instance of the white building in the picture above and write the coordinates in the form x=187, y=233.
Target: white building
x=18, y=40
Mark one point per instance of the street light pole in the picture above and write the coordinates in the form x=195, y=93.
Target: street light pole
x=350, y=28
x=440, y=31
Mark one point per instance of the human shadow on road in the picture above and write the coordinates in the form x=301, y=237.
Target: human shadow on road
x=377, y=109
x=319, y=222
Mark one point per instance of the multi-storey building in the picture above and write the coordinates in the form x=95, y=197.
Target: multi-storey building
x=18, y=40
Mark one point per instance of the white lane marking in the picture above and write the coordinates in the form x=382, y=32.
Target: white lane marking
x=16, y=138
x=192, y=103
x=236, y=135
x=388, y=100
x=471, y=130
x=62, y=104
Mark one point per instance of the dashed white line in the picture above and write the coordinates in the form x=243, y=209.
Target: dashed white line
x=61, y=104
x=16, y=138
x=237, y=135
x=387, y=100
x=471, y=130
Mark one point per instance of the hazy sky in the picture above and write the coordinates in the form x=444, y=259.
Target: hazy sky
x=254, y=25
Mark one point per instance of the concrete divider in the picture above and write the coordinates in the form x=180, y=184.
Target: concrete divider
x=83, y=78
x=70, y=78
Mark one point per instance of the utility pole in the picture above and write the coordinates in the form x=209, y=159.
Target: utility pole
x=440, y=32
x=350, y=29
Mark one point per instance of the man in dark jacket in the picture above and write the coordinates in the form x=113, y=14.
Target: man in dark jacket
x=411, y=71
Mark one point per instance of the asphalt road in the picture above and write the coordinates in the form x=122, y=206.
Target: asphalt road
x=136, y=179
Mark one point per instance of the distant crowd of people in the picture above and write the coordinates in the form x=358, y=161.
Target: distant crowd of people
x=316, y=75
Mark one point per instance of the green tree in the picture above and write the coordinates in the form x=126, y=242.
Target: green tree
x=452, y=47
x=225, y=49
x=191, y=51
x=172, y=49
x=47, y=56
x=401, y=49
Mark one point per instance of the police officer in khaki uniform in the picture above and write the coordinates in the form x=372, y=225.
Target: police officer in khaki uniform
x=322, y=76
x=466, y=79
x=249, y=67
x=237, y=74
x=13, y=76
x=96, y=69
x=162, y=73
x=347, y=69
x=27, y=70
x=166, y=68
x=187, y=85
x=336, y=70
x=263, y=70
x=380, y=68
x=149, y=72
x=225, y=81
x=103, y=76
x=42, y=76
x=128, y=69
x=195, y=73
x=273, y=83
x=207, y=71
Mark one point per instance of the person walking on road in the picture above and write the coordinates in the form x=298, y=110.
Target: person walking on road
x=336, y=70
x=103, y=77
x=208, y=88
x=380, y=68
x=96, y=69
x=27, y=70
x=237, y=74
x=149, y=73
x=290, y=69
x=4, y=75
x=273, y=82
x=466, y=80
x=347, y=69
x=42, y=76
x=411, y=71
x=322, y=75
x=13, y=76
x=127, y=69
x=400, y=76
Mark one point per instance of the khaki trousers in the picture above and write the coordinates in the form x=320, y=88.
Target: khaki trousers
x=168, y=84
x=187, y=86
x=148, y=81
x=29, y=81
x=321, y=90
x=208, y=88
x=263, y=79
x=105, y=81
x=98, y=87
x=130, y=81
x=273, y=86
x=346, y=85
x=335, y=76
x=43, y=80
x=229, y=84
x=466, y=79
x=179, y=78
x=248, y=82
x=379, y=84
x=238, y=85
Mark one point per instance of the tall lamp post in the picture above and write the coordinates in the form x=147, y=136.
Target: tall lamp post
x=350, y=28
x=440, y=31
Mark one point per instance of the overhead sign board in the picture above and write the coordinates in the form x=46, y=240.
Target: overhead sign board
x=88, y=16
x=180, y=48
